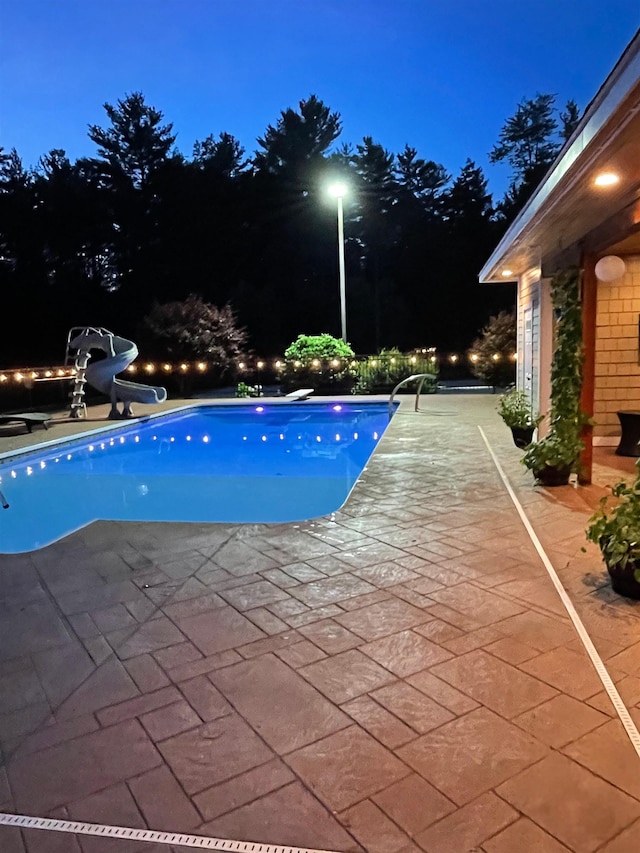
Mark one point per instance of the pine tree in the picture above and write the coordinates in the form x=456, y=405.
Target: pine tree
x=137, y=143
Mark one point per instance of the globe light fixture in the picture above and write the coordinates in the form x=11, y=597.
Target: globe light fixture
x=610, y=268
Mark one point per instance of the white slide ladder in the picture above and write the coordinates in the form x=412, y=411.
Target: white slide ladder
x=78, y=407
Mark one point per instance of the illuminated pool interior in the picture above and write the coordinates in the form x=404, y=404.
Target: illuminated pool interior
x=240, y=464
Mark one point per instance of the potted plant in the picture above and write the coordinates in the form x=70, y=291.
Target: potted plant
x=516, y=411
x=616, y=530
x=554, y=457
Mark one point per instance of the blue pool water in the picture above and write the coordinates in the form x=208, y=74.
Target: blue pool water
x=259, y=463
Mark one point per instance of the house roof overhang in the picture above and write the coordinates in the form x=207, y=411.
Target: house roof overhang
x=568, y=214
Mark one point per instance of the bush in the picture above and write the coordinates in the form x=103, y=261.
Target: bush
x=381, y=373
x=320, y=361
x=194, y=330
x=494, y=351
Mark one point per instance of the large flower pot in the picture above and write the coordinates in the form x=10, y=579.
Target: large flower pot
x=623, y=581
x=522, y=436
x=551, y=475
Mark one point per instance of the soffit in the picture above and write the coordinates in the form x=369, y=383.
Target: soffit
x=568, y=213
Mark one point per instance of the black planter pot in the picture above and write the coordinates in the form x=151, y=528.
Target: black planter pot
x=522, y=436
x=551, y=475
x=623, y=581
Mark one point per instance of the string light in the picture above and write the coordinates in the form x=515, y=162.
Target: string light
x=424, y=354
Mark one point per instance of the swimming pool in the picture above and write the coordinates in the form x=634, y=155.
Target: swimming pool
x=243, y=463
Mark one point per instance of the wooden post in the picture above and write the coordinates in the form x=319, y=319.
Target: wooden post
x=589, y=306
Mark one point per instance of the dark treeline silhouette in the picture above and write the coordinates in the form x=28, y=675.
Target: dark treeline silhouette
x=99, y=241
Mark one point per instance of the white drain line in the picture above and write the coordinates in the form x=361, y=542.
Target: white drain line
x=596, y=660
x=200, y=842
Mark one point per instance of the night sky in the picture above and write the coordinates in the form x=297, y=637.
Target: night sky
x=441, y=75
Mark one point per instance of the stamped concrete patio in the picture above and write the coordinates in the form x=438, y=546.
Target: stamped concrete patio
x=402, y=677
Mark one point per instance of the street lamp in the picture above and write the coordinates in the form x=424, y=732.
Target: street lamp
x=339, y=190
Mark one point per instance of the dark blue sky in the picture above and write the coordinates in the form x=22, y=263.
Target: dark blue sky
x=441, y=75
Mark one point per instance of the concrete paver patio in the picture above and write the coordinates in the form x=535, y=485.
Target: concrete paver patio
x=400, y=677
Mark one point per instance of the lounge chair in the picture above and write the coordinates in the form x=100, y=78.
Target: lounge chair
x=27, y=418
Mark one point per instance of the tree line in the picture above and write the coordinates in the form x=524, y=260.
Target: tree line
x=100, y=240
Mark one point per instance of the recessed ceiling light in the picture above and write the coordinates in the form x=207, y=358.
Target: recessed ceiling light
x=606, y=179
x=505, y=273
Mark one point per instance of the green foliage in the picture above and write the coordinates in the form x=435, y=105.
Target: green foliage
x=324, y=346
x=381, y=373
x=527, y=137
x=244, y=390
x=194, y=329
x=530, y=141
x=320, y=361
x=563, y=445
x=224, y=156
x=494, y=350
x=136, y=144
x=616, y=529
x=515, y=410
x=570, y=118
x=299, y=139
x=103, y=237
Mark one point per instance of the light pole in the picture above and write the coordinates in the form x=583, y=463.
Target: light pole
x=338, y=191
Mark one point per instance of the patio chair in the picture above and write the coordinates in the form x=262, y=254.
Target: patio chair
x=27, y=418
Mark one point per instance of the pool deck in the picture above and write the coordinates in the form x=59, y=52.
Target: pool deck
x=402, y=677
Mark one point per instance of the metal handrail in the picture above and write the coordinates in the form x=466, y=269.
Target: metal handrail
x=421, y=377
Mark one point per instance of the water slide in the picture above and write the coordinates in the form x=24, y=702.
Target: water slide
x=101, y=375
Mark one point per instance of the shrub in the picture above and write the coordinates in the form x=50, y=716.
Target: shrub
x=381, y=373
x=194, y=330
x=244, y=390
x=320, y=361
x=494, y=350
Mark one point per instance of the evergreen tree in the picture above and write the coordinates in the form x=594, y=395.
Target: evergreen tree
x=376, y=194
x=224, y=155
x=299, y=141
x=423, y=180
x=470, y=230
x=529, y=142
x=570, y=118
x=527, y=139
x=136, y=144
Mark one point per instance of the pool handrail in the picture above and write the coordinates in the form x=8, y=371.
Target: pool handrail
x=412, y=378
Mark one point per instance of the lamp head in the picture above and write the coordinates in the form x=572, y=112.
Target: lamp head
x=337, y=189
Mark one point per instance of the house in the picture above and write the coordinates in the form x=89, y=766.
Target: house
x=587, y=208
